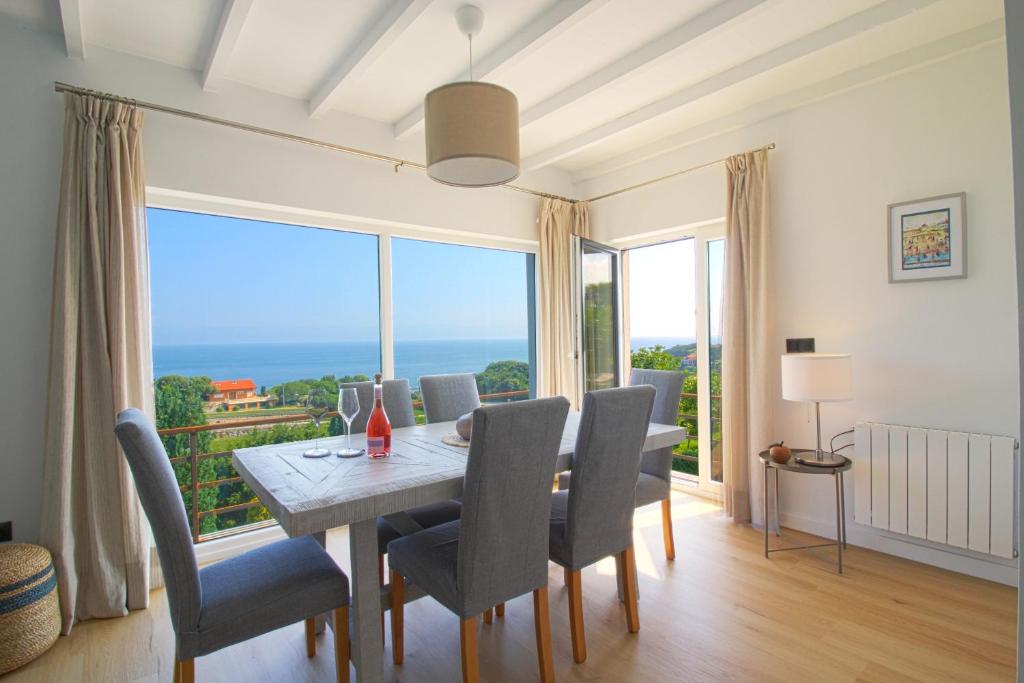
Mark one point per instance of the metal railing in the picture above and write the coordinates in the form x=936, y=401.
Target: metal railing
x=195, y=457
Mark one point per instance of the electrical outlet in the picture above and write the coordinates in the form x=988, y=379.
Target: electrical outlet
x=6, y=531
x=803, y=345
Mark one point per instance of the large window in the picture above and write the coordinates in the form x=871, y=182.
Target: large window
x=248, y=317
x=464, y=309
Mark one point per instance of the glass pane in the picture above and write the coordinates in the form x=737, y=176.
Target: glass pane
x=248, y=318
x=600, y=328
x=716, y=294
x=464, y=309
x=663, y=328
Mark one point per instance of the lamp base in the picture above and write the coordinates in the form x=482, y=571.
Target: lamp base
x=820, y=459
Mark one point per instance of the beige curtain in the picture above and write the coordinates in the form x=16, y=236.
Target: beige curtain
x=559, y=221
x=99, y=364
x=749, y=364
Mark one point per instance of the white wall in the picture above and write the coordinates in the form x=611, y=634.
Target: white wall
x=182, y=155
x=940, y=354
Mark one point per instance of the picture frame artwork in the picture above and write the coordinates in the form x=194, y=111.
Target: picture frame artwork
x=928, y=239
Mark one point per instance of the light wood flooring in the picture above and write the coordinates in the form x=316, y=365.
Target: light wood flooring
x=720, y=612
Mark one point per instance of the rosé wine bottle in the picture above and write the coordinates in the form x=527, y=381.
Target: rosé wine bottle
x=378, y=427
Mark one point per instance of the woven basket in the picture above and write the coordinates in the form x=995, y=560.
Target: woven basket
x=29, y=610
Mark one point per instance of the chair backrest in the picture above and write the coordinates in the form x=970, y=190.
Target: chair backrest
x=449, y=397
x=669, y=386
x=506, y=504
x=161, y=499
x=605, y=467
x=397, y=403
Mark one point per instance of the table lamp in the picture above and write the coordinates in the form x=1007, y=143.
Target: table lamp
x=817, y=377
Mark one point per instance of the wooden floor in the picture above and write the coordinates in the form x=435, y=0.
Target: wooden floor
x=719, y=612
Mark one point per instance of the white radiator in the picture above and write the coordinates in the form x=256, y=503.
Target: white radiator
x=947, y=487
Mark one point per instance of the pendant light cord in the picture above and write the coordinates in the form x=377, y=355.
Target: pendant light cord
x=470, y=56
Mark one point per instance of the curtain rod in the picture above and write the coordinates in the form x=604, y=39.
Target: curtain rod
x=396, y=162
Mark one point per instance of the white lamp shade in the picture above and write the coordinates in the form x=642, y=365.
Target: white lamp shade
x=817, y=377
x=472, y=134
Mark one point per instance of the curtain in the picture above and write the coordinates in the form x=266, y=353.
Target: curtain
x=749, y=366
x=100, y=363
x=559, y=221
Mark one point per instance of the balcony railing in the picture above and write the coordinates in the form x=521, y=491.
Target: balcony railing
x=194, y=457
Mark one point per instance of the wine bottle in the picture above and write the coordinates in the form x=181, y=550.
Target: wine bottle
x=378, y=426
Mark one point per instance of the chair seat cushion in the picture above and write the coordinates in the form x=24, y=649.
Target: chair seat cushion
x=266, y=589
x=426, y=516
x=651, y=489
x=430, y=559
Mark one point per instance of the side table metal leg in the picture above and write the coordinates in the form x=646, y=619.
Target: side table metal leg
x=842, y=499
x=766, y=510
x=839, y=523
x=778, y=505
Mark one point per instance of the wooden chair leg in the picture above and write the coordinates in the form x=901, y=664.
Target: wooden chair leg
x=397, y=617
x=566, y=579
x=489, y=615
x=542, y=626
x=311, y=637
x=579, y=639
x=187, y=670
x=341, y=643
x=380, y=575
x=666, y=529
x=177, y=671
x=499, y=610
x=629, y=587
x=470, y=661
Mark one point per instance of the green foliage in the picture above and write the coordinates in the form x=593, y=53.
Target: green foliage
x=294, y=393
x=502, y=376
x=179, y=403
x=599, y=318
x=654, y=358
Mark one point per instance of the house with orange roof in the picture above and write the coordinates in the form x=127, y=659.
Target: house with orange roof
x=235, y=394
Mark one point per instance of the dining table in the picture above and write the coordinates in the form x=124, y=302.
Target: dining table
x=309, y=496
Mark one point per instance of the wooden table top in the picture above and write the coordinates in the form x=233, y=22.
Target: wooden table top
x=308, y=495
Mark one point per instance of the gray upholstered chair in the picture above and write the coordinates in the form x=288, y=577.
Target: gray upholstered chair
x=655, y=482
x=594, y=518
x=495, y=552
x=397, y=403
x=235, y=599
x=448, y=397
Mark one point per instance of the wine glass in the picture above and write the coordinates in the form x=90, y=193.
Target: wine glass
x=317, y=405
x=348, y=408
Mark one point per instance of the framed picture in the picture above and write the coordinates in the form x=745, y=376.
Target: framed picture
x=928, y=239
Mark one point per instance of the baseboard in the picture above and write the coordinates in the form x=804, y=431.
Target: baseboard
x=964, y=561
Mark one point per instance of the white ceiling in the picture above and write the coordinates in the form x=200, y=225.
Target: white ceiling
x=600, y=82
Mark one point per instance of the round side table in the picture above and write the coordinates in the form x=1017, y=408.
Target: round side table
x=836, y=472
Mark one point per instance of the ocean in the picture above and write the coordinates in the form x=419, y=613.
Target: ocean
x=275, y=363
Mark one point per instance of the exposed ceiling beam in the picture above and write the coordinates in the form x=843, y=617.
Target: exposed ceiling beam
x=74, y=35
x=883, y=13
x=230, y=29
x=881, y=70
x=687, y=34
x=385, y=31
x=562, y=16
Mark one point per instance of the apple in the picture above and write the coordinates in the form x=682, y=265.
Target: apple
x=780, y=453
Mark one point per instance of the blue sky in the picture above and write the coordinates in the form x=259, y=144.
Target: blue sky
x=229, y=280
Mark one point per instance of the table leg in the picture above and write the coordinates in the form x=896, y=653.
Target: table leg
x=842, y=499
x=367, y=646
x=778, y=506
x=766, y=509
x=839, y=522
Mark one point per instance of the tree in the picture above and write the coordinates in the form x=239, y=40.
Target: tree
x=504, y=375
x=654, y=358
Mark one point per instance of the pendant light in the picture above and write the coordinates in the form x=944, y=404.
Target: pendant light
x=472, y=128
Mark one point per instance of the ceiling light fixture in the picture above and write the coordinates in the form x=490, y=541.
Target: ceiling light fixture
x=472, y=128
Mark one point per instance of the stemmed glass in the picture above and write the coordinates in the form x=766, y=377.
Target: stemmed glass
x=348, y=408
x=317, y=405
